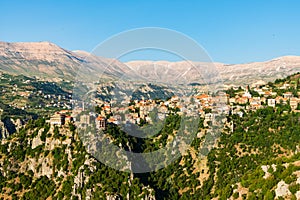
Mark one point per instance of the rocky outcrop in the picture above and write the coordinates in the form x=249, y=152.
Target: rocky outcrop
x=40, y=167
x=36, y=141
x=3, y=131
x=297, y=194
x=266, y=168
x=19, y=123
x=81, y=178
x=113, y=197
x=282, y=190
x=9, y=126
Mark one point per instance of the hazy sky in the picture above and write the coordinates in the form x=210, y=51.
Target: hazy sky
x=231, y=31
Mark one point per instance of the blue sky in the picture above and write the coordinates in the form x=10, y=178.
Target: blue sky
x=231, y=31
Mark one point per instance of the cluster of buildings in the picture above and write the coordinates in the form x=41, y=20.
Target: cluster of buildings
x=89, y=119
x=266, y=97
x=27, y=89
x=149, y=111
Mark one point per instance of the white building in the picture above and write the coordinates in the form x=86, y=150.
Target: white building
x=271, y=102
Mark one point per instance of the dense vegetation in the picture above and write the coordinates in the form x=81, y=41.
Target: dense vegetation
x=101, y=179
x=266, y=137
x=257, y=138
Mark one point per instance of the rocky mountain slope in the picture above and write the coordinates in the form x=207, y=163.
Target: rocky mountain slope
x=238, y=74
x=49, y=61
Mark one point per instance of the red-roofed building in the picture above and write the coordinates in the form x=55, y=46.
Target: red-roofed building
x=202, y=97
x=100, y=122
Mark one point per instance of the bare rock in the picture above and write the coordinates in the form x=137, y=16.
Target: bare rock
x=282, y=189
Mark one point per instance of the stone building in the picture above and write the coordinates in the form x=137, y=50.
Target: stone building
x=86, y=119
x=57, y=119
x=101, y=122
x=272, y=102
x=293, y=103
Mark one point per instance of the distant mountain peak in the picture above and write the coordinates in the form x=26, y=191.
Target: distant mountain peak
x=46, y=60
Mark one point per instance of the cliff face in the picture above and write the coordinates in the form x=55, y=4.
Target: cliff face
x=9, y=126
x=3, y=131
x=50, y=162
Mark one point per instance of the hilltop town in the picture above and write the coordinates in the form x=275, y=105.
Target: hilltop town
x=236, y=100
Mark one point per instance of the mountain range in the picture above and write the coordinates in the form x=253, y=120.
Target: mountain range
x=46, y=60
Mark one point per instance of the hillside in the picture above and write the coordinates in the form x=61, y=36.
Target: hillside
x=256, y=157
x=49, y=162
